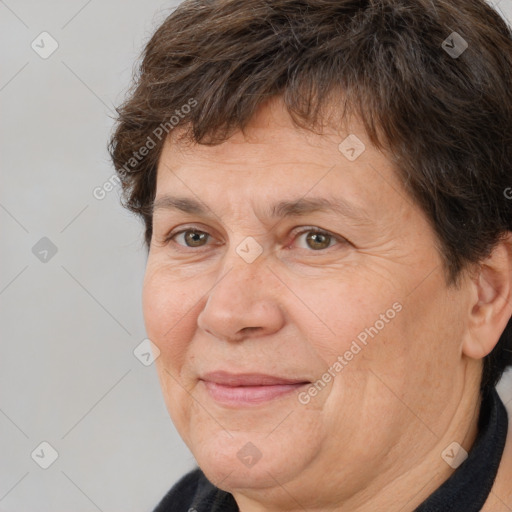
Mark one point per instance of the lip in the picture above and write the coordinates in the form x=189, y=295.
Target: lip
x=248, y=379
x=238, y=390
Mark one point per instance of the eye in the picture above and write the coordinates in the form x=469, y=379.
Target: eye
x=317, y=239
x=191, y=237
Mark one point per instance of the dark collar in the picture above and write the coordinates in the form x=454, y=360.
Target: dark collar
x=466, y=490
x=469, y=486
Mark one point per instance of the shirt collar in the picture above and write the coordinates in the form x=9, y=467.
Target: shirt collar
x=468, y=488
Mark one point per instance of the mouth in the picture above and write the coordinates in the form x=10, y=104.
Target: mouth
x=238, y=390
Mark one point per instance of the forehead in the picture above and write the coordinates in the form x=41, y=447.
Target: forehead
x=277, y=162
x=270, y=133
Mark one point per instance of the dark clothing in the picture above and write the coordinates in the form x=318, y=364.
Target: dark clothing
x=466, y=490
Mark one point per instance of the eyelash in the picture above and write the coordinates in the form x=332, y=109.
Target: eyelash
x=172, y=235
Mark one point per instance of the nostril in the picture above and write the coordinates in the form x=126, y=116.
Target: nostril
x=249, y=329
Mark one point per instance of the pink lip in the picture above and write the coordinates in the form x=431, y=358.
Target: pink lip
x=248, y=389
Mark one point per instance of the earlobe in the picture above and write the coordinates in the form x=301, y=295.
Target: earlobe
x=492, y=305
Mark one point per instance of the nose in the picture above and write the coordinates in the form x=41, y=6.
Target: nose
x=243, y=303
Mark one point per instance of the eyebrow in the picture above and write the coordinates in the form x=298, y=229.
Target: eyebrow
x=281, y=209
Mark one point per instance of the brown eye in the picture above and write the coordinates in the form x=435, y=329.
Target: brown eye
x=318, y=240
x=192, y=237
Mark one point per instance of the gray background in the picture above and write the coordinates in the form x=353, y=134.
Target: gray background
x=70, y=321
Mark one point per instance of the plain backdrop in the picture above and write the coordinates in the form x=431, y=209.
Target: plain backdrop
x=72, y=267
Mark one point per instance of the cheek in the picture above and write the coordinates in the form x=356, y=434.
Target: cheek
x=168, y=314
x=349, y=317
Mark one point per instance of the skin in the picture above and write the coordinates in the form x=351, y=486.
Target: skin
x=366, y=441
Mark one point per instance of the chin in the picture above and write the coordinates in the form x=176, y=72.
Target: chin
x=246, y=460
x=229, y=474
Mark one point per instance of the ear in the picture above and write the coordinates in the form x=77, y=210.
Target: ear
x=492, y=303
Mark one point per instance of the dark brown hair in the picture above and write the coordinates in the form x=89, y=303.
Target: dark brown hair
x=445, y=117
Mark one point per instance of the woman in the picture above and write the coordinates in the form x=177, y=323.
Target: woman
x=329, y=274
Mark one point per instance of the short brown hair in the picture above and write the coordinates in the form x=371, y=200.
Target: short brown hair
x=446, y=118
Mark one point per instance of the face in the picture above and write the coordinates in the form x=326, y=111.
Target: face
x=298, y=340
